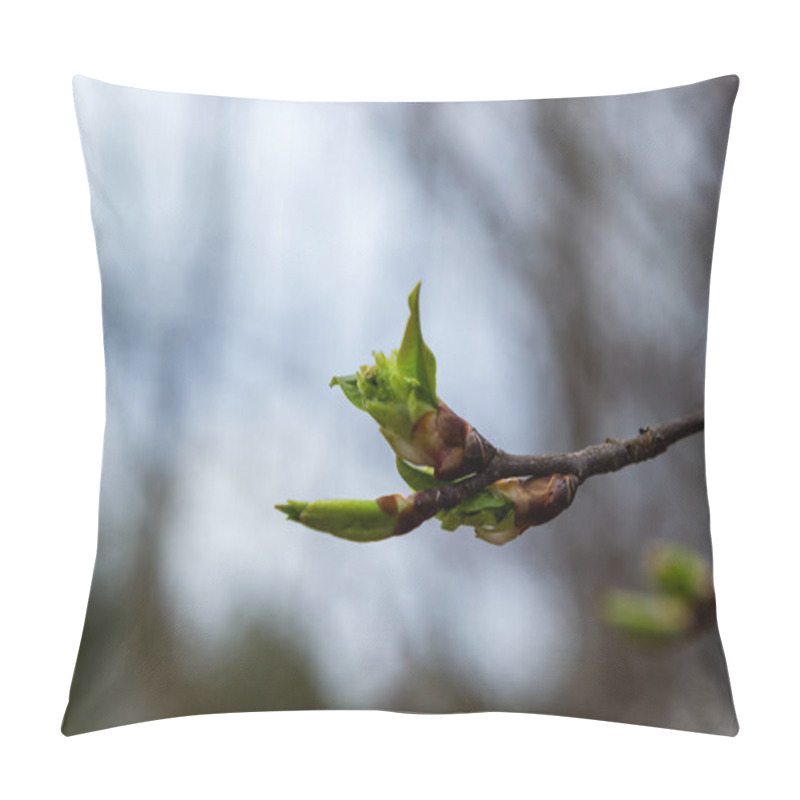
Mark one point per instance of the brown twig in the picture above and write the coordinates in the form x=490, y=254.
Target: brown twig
x=597, y=459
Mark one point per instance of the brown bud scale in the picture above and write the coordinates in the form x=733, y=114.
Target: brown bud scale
x=539, y=500
x=389, y=503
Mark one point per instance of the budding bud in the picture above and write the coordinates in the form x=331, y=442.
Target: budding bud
x=535, y=501
x=683, y=603
x=649, y=615
x=442, y=440
x=355, y=520
x=399, y=392
x=680, y=571
x=507, y=508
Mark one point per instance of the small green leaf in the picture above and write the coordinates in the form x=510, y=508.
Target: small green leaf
x=417, y=479
x=485, y=500
x=486, y=509
x=349, y=385
x=414, y=358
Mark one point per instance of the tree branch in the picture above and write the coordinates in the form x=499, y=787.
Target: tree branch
x=597, y=459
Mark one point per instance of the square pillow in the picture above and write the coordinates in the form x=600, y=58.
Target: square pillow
x=273, y=539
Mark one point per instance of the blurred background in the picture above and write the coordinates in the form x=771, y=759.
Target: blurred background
x=249, y=251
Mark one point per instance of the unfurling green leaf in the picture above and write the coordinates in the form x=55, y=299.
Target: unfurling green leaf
x=356, y=520
x=394, y=401
x=414, y=358
x=399, y=392
x=487, y=511
x=398, y=389
x=349, y=385
x=418, y=479
x=647, y=615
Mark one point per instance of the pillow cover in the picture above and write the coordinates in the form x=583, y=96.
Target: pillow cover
x=555, y=256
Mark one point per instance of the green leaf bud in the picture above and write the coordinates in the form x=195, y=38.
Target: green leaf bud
x=355, y=520
x=680, y=571
x=647, y=615
x=534, y=501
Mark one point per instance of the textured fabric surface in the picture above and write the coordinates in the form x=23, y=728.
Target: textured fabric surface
x=249, y=250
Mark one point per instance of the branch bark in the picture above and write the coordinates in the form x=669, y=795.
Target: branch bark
x=596, y=459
